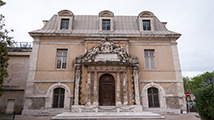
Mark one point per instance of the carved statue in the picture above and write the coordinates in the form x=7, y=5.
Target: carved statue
x=91, y=53
x=121, y=52
x=106, y=46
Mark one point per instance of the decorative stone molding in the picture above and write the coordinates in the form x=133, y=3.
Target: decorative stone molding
x=49, y=96
x=106, y=13
x=146, y=14
x=115, y=61
x=65, y=13
x=108, y=52
x=162, y=99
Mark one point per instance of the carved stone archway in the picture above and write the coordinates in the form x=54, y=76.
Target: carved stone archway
x=111, y=59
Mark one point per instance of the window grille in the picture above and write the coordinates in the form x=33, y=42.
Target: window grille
x=106, y=24
x=58, y=98
x=153, y=98
x=64, y=24
x=146, y=25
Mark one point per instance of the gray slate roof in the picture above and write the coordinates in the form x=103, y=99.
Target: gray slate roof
x=86, y=25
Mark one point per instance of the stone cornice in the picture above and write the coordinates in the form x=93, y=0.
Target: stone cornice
x=83, y=36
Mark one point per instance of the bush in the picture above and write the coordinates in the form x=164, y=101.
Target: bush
x=205, y=102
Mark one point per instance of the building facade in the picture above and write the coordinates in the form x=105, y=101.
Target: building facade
x=13, y=97
x=81, y=62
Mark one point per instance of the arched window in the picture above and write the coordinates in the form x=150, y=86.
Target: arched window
x=58, y=97
x=153, y=98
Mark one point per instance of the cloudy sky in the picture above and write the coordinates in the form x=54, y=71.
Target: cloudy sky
x=194, y=19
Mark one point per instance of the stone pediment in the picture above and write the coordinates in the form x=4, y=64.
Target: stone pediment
x=107, y=52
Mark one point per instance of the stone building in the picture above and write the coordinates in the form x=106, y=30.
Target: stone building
x=13, y=97
x=84, y=63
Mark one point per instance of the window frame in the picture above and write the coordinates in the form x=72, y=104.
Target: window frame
x=141, y=24
x=111, y=23
x=66, y=26
x=59, y=98
x=153, y=100
x=106, y=24
x=150, y=63
x=69, y=24
x=146, y=28
x=62, y=56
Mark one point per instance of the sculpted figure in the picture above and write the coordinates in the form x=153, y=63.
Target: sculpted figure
x=107, y=46
x=121, y=52
x=91, y=53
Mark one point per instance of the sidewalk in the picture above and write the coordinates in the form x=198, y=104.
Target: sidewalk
x=190, y=116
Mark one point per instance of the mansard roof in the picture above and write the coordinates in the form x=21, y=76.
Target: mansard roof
x=88, y=25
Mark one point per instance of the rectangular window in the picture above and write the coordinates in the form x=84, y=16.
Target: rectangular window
x=61, y=59
x=64, y=24
x=146, y=25
x=149, y=59
x=106, y=24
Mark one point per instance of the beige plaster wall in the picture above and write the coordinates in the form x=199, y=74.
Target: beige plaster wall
x=17, y=70
x=164, y=66
x=46, y=63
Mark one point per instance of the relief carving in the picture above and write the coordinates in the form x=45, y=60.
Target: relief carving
x=107, y=47
x=92, y=53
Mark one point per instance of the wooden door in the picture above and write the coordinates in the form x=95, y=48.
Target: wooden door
x=106, y=90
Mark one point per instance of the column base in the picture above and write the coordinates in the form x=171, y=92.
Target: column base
x=95, y=104
x=88, y=104
x=125, y=103
x=118, y=104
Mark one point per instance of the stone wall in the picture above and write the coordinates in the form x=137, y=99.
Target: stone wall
x=10, y=94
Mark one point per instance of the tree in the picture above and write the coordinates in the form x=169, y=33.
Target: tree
x=5, y=41
x=199, y=81
x=185, y=83
x=205, y=102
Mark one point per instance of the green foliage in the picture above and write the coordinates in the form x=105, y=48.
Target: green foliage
x=186, y=85
x=199, y=81
x=5, y=41
x=205, y=102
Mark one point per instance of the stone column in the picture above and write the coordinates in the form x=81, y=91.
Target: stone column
x=118, y=99
x=177, y=68
x=125, y=89
x=136, y=84
x=95, y=103
x=88, y=89
x=77, y=80
x=29, y=90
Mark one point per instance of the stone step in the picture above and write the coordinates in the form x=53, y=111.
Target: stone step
x=107, y=115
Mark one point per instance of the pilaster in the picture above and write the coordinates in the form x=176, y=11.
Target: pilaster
x=125, y=89
x=88, y=89
x=95, y=103
x=118, y=99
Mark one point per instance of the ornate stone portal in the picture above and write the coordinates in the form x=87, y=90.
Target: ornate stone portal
x=108, y=59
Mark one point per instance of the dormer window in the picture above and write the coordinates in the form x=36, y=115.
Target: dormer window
x=106, y=24
x=106, y=20
x=146, y=21
x=146, y=25
x=64, y=24
x=65, y=20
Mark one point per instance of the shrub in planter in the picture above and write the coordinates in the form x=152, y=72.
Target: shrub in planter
x=205, y=102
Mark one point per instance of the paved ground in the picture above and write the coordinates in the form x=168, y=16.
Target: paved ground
x=190, y=116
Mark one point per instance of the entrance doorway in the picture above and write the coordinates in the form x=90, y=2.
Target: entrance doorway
x=106, y=90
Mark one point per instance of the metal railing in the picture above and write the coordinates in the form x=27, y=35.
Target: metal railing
x=21, y=45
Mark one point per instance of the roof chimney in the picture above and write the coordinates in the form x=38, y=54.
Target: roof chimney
x=164, y=23
x=44, y=22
